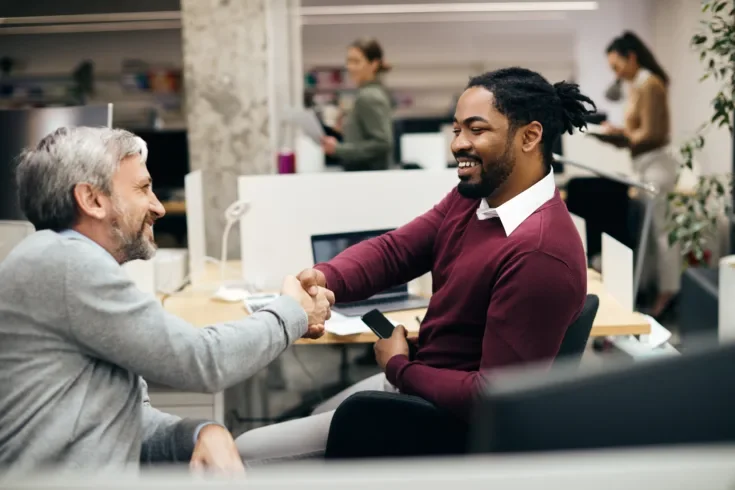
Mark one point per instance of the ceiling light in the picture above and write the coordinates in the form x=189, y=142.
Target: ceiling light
x=435, y=18
x=447, y=8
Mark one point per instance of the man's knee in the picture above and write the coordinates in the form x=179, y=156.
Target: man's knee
x=293, y=440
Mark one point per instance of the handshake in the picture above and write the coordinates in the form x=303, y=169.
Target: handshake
x=309, y=289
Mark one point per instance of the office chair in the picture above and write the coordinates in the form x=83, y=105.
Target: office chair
x=374, y=424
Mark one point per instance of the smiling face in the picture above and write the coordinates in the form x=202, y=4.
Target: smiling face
x=483, y=144
x=360, y=69
x=134, y=209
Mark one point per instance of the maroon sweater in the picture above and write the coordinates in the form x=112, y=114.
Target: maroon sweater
x=497, y=300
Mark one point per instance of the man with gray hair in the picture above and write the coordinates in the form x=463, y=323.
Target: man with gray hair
x=77, y=337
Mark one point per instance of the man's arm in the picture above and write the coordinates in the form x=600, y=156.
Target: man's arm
x=112, y=320
x=166, y=438
x=534, y=301
x=385, y=261
x=374, y=117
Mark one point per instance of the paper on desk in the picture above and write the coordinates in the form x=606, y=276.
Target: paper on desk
x=308, y=122
x=347, y=325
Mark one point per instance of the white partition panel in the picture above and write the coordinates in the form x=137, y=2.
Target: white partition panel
x=286, y=210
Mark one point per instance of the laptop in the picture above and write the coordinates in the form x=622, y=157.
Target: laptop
x=397, y=298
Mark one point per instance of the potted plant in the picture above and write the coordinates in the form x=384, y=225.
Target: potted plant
x=694, y=216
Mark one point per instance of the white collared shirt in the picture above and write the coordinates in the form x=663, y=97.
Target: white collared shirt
x=515, y=211
x=640, y=77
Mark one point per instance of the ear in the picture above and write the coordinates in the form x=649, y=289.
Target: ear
x=531, y=136
x=90, y=201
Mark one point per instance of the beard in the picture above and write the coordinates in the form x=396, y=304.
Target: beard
x=132, y=244
x=493, y=174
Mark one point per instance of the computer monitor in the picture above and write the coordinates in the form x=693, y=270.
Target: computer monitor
x=327, y=247
x=168, y=159
x=687, y=399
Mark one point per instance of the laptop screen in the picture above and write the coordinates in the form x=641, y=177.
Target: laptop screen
x=327, y=247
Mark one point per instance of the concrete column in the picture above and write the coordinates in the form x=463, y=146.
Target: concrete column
x=239, y=75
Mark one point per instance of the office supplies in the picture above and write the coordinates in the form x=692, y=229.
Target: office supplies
x=326, y=247
x=308, y=122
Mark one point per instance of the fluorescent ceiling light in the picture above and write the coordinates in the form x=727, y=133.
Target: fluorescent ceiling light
x=425, y=8
x=92, y=27
x=434, y=18
x=70, y=19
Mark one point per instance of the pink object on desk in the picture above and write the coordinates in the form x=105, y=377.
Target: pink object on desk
x=286, y=162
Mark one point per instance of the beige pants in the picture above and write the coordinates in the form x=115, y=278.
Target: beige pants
x=301, y=438
x=659, y=167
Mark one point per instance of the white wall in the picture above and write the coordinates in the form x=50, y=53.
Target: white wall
x=595, y=31
x=675, y=21
x=435, y=59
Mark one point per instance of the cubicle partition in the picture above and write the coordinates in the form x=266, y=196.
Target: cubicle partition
x=286, y=210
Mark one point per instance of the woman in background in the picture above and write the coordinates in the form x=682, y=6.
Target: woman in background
x=646, y=132
x=367, y=138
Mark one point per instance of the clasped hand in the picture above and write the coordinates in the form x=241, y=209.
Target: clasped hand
x=309, y=289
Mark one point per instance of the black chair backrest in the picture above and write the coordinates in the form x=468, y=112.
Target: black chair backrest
x=576, y=336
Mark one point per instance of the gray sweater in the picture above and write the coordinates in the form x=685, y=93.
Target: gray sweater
x=76, y=340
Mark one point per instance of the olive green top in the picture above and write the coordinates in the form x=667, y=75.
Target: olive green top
x=368, y=131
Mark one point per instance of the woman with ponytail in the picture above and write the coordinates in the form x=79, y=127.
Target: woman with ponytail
x=646, y=133
x=367, y=139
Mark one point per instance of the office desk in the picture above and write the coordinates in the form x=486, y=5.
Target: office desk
x=197, y=307
x=174, y=208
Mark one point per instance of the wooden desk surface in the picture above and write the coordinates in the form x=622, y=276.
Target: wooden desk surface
x=174, y=207
x=197, y=307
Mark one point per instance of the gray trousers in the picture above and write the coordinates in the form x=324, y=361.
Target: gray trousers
x=301, y=438
x=660, y=168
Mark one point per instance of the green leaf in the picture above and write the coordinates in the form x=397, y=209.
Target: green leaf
x=719, y=7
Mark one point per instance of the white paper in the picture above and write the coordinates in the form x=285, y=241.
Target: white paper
x=659, y=334
x=347, y=325
x=308, y=122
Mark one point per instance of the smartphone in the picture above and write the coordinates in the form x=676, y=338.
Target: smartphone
x=378, y=323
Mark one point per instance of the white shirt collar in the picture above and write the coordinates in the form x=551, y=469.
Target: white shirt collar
x=515, y=211
x=640, y=77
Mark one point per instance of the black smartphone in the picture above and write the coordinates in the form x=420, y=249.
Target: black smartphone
x=378, y=323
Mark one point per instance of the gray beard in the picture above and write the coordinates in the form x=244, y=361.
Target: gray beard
x=132, y=247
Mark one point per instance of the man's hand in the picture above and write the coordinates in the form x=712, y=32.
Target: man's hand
x=395, y=345
x=312, y=280
x=317, y=308
x=216, y=451
x=329, y=145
